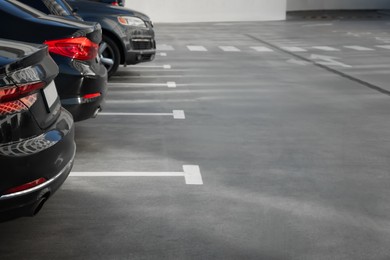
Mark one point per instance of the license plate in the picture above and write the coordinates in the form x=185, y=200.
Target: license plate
x=51, y=95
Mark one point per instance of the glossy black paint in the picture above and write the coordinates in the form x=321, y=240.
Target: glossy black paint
x=111, y=2
x=38, y=27
x=37, y=141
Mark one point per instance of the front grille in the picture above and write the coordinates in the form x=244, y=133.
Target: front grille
x=142, y=44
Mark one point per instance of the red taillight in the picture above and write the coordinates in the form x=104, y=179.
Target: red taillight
x=18, y=98
x=80, y=48
x=91, y=96
x=26, y=186
x=17, y=92
x=115, y=3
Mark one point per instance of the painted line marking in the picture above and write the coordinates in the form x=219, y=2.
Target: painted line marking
x=294, y=49
x=358, y=48
x=384, y=46
x=318, y=25
x=328, y=61
x=169, y=84
x=191, y=174
x=325, y=48
x=229, y=48
x=177, y=114
x=162, y=54
x=165, y=47
x=372, y=66
x=196, y=48
x=262, y=49
x=165, y=66
x=298, y=62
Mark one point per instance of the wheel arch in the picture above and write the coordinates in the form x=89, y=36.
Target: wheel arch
x=118, y=42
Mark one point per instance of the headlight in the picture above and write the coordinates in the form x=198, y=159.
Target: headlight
x=131, y=21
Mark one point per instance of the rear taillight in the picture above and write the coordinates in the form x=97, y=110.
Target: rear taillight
x=16, y=99
x=26, y=186
x=92, y=96
x=115, y=3
x=17, y=92
x=80, y=48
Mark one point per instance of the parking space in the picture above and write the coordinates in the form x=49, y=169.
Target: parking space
x=239, y=141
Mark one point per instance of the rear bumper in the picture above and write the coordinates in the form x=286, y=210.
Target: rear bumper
x=82, y=108
x=52, y=163
x=26, y=203
x=75, y=100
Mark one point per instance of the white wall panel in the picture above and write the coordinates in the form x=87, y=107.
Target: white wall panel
x=173, y=11
x=297, y=5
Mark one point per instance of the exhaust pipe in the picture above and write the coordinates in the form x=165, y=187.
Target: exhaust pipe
x=97, y=111
x=40, y=204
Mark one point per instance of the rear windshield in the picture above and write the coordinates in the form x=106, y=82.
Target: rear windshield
x=57, y=7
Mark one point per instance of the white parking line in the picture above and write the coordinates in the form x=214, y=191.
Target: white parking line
x=169, y=84
x=229, y=48
x=358, y=48
x=162, y=54
x=325, y=48
x=165, y=66
x=294, y=49
x=196, y=48
x=177, y=114
x=262, y=49
x=191, y=174
x=387, y=47
x=165, y=47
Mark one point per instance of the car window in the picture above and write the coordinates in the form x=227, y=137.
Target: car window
x=54, y=7
x=57, y=7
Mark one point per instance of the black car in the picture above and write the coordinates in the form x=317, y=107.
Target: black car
x=37, y=145
x=128, y=36
x=82, y=79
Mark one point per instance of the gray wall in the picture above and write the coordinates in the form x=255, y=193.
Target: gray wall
x=296, y=5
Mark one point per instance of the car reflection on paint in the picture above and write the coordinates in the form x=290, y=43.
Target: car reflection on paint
x=37, y=145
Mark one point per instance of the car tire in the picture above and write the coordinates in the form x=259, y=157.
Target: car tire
x=109, y=55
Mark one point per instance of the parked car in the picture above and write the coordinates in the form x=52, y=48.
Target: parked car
x=111, y=2
x=82, y=79
x=37, y=145
x=128, y=36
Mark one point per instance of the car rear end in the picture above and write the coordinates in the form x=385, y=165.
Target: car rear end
x=37, y=145
x=80, y=65
x=82, y=79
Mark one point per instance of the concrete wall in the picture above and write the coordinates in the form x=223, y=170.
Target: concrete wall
x=173, y=11
x=297, y=5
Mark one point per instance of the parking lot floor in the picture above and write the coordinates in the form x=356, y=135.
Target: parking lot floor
x=255, y=140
